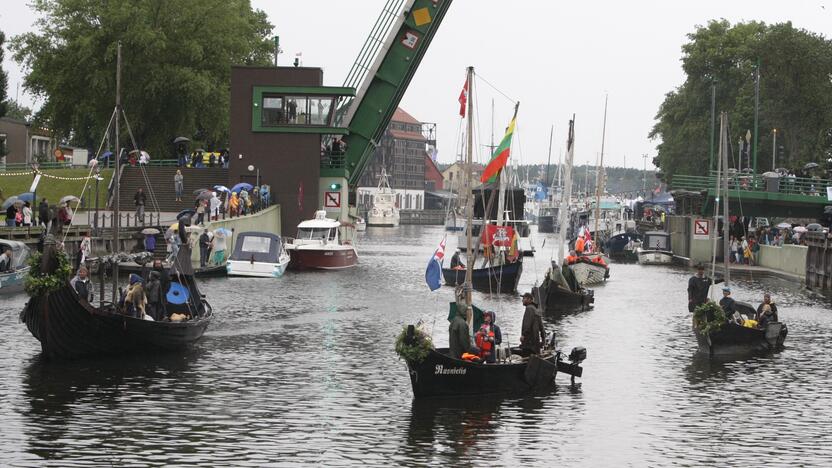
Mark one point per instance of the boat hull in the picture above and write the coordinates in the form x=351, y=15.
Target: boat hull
x=68, y=328
x=439, y=375
x=654, y=257
x=589, y=273
x=557, y=300
x=257, y=269
x=12, y=282
x=322, y=258
x=502, y=279
x=734, y=339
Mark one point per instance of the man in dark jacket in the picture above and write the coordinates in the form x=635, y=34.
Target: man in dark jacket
x=771, y=315
x=727, y=303
x=698, y=286
x=204, y=245
x=153, y=292
x=532, y=333
x=459, y=340
x=140, y=199
x=43, y=213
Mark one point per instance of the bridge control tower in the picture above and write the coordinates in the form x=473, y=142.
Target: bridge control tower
x=311, y=142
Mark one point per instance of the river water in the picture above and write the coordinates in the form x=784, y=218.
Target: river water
x=302, y=370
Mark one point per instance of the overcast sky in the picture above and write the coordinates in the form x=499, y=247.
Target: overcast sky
x=557, y=58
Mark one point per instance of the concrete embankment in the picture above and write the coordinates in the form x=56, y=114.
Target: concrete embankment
x=267, y=220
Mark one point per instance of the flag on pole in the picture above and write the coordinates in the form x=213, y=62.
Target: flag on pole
x=463, y=99
x=501, y=154
x=433, y=273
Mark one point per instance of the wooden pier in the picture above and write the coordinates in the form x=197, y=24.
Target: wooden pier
x=819, y=261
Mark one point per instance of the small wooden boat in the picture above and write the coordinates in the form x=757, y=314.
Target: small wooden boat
x=735, y=339
x=558, y=295
x=259, y=254
x=655, y=249
x=622, y=246
x=588, y=272
x=11, y=281
x=500, y=278
x=70, y=328
x=440, y=375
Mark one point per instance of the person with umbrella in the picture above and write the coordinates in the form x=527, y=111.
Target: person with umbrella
x=215, y=206
x=27, y=214
x=234, y=205
x=245, y=203
x=11, y=215
x=179, y=184
x=150, y=239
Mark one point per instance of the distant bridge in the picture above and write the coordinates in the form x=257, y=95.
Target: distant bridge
x=754, y=195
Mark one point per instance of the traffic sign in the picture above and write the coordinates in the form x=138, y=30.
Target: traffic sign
x=332, y=199
x=701, y=228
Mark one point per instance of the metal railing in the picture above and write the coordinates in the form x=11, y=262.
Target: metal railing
x=808, y=186
x=333, y=160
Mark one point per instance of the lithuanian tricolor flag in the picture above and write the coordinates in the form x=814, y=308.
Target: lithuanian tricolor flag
x=501, y=154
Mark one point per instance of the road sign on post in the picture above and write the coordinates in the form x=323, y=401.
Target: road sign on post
x=332, y=199
x=701, y=228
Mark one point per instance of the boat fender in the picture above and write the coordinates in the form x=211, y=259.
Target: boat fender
x=470, y=357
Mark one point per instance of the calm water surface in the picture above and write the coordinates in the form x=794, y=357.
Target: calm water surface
x=302, y=370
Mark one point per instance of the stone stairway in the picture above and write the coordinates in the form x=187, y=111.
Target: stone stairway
x=161, y=183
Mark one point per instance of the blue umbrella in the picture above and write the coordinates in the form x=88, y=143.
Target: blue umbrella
x=221, y=188
x=177, y=294
x=11, y=201
x=26, y=196
x=223, y=231
x=188, y=212
x=106, y=154
x=241, y=186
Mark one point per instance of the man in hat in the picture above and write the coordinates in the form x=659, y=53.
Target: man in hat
x=698, y=285
x=532, y=333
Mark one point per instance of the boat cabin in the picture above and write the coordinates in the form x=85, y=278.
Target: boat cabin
x=321, y=230
x=656, y=240
x=20, y=253
x=263, y=247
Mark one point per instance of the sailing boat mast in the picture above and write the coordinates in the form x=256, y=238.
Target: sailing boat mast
x=116, y=204
x=549, y=158
x=598, y=177
x=469, y=201
x=723, y=144
x=566, y=193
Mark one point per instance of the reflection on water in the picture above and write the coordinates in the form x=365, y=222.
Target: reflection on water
x=302, y=370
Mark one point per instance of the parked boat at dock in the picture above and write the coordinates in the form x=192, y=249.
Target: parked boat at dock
x=259, y=254
x=13, y=275
x=655, y=249
x=319, y=245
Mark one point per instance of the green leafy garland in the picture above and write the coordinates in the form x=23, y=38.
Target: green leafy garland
x=38, y=284
x=416, y=351
x=700, y=317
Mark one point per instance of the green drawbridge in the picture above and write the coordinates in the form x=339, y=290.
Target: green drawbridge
x=755, y=195
x=381, y=74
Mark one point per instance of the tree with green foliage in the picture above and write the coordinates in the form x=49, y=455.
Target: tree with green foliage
x=17, y=111
x=4, y=81
x=176, y=64
x=795, y=96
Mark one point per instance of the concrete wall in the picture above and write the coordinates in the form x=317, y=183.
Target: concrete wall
x=678, y=227
x=267, y=220
x=789, y=258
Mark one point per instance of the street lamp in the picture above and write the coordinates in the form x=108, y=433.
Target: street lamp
x=774, y=151
x=251, y=169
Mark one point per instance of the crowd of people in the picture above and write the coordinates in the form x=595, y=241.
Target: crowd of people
x=53, y=219
x=201, y=158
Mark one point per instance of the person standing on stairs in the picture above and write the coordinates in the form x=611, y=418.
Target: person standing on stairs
x=179, y=184
x=140, y=199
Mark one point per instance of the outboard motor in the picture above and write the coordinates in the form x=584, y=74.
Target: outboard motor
x=578, y=355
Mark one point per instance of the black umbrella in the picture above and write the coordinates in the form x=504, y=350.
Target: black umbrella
x=206, y=195
x=186, y=213
x=198, y=191
x=178, y=140
x=810, y=166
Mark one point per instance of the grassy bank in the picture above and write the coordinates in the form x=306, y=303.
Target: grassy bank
x=54, y=189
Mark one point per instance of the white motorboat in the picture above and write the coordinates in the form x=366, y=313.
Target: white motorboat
x=655, y=249
x=320, y=245
x=259, y=254
x=384, y=212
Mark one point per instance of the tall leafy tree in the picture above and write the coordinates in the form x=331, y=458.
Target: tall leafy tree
x=795, y=96
x=4, y=81
x=176, y=59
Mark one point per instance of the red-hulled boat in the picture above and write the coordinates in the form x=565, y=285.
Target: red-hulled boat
x=321, y=245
